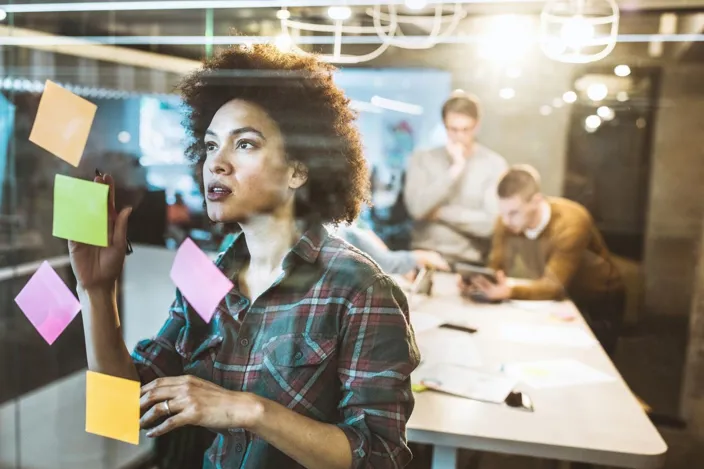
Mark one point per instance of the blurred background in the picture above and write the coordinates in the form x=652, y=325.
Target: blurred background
x=617, y=125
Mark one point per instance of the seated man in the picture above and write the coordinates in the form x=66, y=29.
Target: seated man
x=554, y=244
x=450, y=191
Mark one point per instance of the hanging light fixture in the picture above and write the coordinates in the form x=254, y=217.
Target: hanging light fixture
x=439, y=24
x=579, y=31
x=338, y=15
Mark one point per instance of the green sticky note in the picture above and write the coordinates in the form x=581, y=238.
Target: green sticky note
x=81, y=210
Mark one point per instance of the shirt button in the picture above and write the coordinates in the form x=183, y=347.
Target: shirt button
x=238, y=448
x=298, y=355
x=244, y=342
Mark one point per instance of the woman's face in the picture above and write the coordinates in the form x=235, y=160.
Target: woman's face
x=245, y=171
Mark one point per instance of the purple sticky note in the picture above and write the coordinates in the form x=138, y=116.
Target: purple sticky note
x=199, y=280
x=48, y=303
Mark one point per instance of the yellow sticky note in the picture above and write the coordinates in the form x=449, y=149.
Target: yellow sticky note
x=112, y=407
x=63, y=123
x=81, y=210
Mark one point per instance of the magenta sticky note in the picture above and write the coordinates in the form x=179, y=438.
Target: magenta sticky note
x=199, y=280
x=48, y=303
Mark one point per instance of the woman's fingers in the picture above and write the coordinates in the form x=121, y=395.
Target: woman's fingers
x=119, y=235
x=172, y=423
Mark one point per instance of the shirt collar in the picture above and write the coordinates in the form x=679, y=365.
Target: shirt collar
x=545, y=214
x=307, y=248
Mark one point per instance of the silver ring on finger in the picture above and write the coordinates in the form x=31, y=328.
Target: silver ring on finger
x=168, y=410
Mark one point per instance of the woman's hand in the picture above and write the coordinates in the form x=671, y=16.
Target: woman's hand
x=98, y=267
x=187, y=400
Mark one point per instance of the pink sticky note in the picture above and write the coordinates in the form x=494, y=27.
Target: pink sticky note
x=48, y=303
x=199, y=280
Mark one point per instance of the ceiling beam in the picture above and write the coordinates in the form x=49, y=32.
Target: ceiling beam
x=105, y=53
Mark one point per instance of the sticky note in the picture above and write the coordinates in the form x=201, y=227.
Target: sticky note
x=63, y=123
x=81, y=210
x=112, y=407
x=199, y=280
x=48, y=303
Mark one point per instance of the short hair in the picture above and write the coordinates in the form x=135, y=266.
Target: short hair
x=462, y=103
x=317, y=124
x=522, y=180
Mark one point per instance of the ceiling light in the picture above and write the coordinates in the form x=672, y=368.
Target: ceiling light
x=597, y=91
x=339, y=13
x=507, y=93
x=622, y=70
x=3, y=14
x=507, y=38
x=569, y=97
x=545, y=110
x=283, y=14
x=577, y=32
x=622, y=96
x=592, y=122
x=606, y=113
x=415, y=4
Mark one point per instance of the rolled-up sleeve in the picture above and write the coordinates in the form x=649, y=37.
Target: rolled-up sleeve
x=377, y=355
x=158, y=357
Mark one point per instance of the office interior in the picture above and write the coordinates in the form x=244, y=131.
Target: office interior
x=621, y=133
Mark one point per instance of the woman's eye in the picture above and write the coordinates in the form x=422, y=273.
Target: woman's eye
x=209, y=146
x=245, y=145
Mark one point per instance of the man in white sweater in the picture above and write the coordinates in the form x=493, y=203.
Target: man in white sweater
x=450, y=191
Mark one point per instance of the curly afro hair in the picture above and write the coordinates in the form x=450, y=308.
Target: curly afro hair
x=313, y=114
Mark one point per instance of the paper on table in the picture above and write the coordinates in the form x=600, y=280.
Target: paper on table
x=199, y=280
x=465, y=382
x=565, y=336
x=48, y=303
x=63, y=123
x=112, y=407
x=424, y=321
x=556, y=373
x=80, y=210
x=449, y=346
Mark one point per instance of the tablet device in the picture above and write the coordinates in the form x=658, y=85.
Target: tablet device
x=467, y=271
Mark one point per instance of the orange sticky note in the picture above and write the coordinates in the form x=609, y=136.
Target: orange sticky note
x=112, y=407
x=63, y=123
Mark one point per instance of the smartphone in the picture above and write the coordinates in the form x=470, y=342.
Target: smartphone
x=423, y=283
x=467, y=271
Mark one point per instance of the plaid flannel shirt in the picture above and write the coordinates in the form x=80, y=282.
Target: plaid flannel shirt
x=331, y=340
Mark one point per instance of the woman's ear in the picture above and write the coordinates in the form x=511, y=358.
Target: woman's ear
x=299, y=175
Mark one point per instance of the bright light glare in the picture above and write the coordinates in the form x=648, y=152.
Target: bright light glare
x=398, y=106
x=545, y=110
x=577, y=32
x=592, y=122
x=415, y=4
x=283, y=42
x=3, y=14
x=283, y=14
x=507, y=93
x=569, y=97
x=622, y=96
x=507, y=38
x=622, y=70
x=124, y=137
x=606, y=113
x=597, y=91
x=339, y=13
x=514, y=72
x=557, y=103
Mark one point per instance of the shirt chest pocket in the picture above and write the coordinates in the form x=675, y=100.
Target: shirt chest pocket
x=201, y=362
x=294, y=365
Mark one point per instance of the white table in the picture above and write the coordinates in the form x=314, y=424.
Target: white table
x=595, y=423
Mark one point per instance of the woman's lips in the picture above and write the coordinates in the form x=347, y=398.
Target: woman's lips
x=217, y=192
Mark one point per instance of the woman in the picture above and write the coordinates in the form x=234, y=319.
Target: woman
x=306, y=363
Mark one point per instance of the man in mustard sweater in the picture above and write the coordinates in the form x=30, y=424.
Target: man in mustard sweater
x=553, y=245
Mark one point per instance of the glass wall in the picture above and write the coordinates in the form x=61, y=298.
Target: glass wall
x=623, y=136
